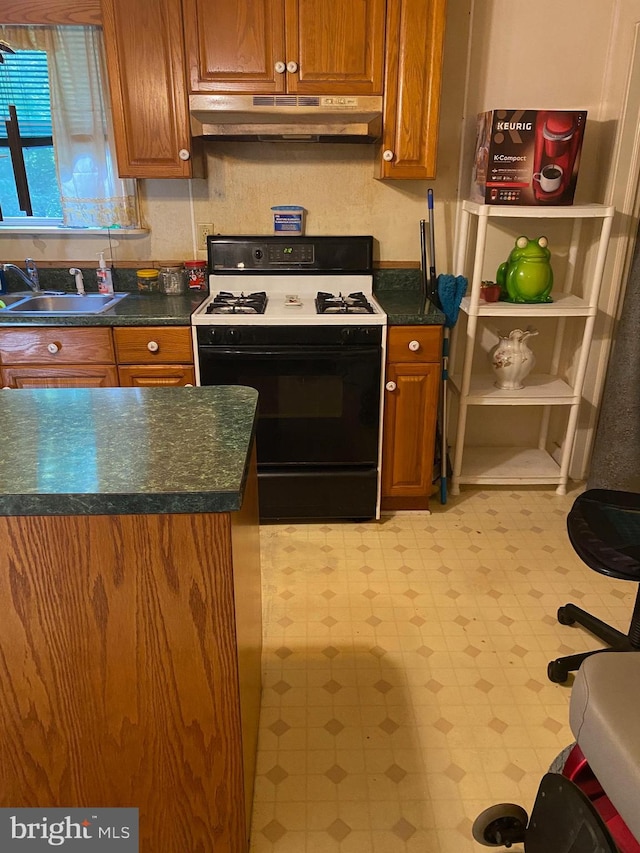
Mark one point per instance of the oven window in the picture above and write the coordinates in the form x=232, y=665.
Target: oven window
x=302, y=397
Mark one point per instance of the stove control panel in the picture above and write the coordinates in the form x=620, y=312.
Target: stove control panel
x=282, y=255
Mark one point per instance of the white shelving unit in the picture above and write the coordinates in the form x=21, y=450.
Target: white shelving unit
x=523, y=465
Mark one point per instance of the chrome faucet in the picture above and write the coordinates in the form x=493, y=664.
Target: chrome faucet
x=30, y=277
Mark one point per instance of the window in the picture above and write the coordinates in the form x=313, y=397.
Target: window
x=28, y=180
x=61, y=127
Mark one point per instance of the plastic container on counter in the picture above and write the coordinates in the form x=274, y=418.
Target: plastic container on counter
x=147, y=281
x=288, y=219
x=172, y=281
x=196, y=274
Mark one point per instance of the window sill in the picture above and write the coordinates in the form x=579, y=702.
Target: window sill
x=62, y=231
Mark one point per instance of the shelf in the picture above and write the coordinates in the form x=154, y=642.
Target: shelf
x=541, y=389
x=575, y=211
x=564, y=305
x=568, y=342
x=508, y=465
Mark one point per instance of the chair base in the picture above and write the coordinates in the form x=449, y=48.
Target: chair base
x=558, y=670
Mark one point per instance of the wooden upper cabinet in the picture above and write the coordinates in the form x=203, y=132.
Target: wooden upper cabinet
x=234, y=47
x=415, y=38
x=146, y=68
x=293, y=46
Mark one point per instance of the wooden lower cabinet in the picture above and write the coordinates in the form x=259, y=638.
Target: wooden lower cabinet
x=153, y=375
x=63, y=357
x=57, y=357
x=64, y=376
x=413, y=376
x=154, y=355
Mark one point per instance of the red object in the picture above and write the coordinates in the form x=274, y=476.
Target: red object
x=197, y=274
x=557, y=145
x=490, y=292
x=577, y=770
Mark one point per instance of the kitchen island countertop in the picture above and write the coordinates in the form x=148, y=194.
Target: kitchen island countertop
x=105, y=451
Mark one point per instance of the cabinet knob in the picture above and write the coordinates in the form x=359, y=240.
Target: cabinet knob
x=183, y=154
x=414, y=346
x=53, y=348
x=391, y=386
x=188, y=384
x=6, y=387
x=387, y=155
x=280, y=67
x=292, y=67
x=153, y=346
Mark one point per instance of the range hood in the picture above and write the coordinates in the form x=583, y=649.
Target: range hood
x=293, y=118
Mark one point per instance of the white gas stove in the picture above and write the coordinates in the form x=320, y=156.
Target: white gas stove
x=297, y=320
x=275, y=281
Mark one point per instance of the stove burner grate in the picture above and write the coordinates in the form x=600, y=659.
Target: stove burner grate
x=354, y=303
x=230, y=303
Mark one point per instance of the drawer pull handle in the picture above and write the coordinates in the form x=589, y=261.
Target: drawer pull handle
x=53, y=348
x=391, y=386
x=414, y=346
x=153, y=346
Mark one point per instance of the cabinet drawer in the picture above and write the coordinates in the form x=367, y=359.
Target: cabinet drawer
x=55, y=345
x=402, y=339
x=149, y=344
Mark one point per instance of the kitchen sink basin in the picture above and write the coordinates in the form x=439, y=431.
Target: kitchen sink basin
x=11, y=298
x=38, y=304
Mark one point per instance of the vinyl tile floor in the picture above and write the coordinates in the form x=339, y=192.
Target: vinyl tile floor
x=405, y=685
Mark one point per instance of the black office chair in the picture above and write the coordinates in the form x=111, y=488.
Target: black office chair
x=604, y=529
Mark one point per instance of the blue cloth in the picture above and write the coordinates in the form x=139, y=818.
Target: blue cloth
x=451, y=289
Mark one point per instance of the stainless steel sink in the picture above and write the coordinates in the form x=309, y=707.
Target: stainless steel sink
x=12, y=298
x=38, y=304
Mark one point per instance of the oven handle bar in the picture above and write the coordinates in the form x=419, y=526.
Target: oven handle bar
x=293, y=352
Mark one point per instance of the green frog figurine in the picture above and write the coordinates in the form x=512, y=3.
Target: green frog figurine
x=527, y=275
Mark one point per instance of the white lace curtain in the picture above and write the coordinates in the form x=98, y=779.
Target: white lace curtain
x=92, y=194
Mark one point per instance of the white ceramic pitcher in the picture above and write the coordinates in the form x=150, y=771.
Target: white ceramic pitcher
x=512, y=360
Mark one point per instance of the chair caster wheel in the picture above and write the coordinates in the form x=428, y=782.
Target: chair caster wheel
x=501, y=825
x=564, y=618
x=557, y=672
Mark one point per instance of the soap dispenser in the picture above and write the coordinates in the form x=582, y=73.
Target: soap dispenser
x=105, y=279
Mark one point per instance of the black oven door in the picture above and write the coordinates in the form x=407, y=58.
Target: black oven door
x=318, y=406
x=318, y=425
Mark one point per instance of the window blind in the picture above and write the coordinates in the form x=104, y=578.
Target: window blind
x=24, y=82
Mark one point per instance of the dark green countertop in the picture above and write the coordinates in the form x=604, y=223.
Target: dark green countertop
x=121, y=451
x=134, y=310
x=399, y=292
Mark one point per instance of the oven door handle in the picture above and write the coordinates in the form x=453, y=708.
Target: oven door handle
x=290, y=352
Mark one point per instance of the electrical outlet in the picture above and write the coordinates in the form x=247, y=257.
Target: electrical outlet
x=202, y=232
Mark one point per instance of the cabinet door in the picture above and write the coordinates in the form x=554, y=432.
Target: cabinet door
x=156, y=375
x=409, y=435
x=61, y=376
x=234, y=47
x=415, y=36
x=146, y=69
x=338, y=48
